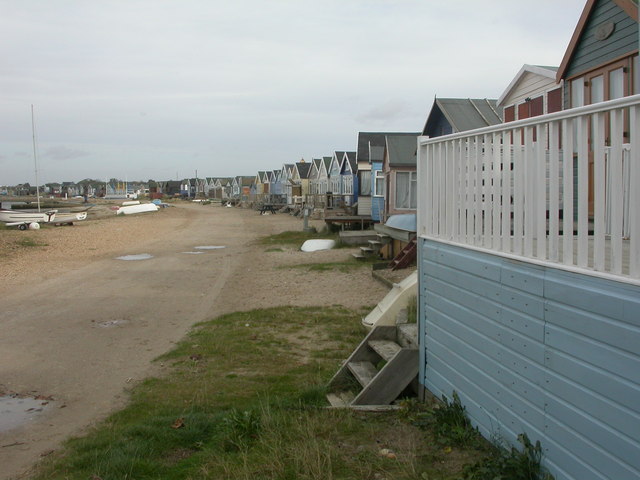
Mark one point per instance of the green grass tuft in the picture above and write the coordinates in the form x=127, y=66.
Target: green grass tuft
x=244, y=397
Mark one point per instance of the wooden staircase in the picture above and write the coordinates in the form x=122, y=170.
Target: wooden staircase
x=406, y=256
x=379, y=370
x=373, y=247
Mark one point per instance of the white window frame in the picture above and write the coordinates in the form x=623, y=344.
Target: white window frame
x=413, y=190
x=379, y=176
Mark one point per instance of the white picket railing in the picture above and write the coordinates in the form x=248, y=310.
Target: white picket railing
x=494, y=189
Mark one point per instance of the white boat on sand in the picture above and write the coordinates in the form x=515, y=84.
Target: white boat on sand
x=142, y=208
x=21, y=216
x=69, y=218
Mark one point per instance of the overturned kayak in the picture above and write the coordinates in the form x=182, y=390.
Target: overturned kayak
x=141, y=208
x=317, y=244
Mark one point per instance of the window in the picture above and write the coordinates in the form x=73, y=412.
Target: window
x=335, y=184
x=597, y=89
x=364, y=182
x=636, y=75
x=406, y=190
x=616, y=83
x=554, y=100
x=510, y=113
x=379, y=184
x=577, y=92
x=347, y=185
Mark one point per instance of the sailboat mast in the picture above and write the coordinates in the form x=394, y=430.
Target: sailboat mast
x=35, y=157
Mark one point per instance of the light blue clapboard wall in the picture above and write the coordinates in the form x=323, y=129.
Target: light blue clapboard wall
x=536, y=350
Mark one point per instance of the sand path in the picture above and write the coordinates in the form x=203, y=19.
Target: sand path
x=81, y=327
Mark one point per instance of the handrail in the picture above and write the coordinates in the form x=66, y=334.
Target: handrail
x=560, y=189
x=528, y=122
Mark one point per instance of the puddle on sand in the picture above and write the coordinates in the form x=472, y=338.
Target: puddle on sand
x=15, y=411
x=139, y=256
x=113, y=323
x=209, y=247
x=192, y=253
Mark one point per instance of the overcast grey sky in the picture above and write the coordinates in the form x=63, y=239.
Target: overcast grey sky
x=159, y=89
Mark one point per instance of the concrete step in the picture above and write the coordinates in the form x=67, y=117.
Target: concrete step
x=366, y=250
x=358, y=256
x=407, y=335
x=385, y=348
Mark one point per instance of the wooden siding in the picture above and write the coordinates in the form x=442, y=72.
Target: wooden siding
x=536, y=350
x=364, y=206
x=377, y=202
x=591, y=53
x=530, y=86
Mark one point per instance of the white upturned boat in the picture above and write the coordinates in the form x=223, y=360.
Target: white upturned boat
x=20, y=216
x=142, y=208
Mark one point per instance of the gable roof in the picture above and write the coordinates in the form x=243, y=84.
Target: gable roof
x=401, y=150
x=316, y=165
x=376, y=139
x=304, y=169
x=351, y=158
x=464, y=113
x=543, y=71
x=630, y=7
x=377, y=154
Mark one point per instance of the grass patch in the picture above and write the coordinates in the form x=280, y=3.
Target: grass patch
x=450, y=425
x=412, y=309
x=344, y=266
x=296, y=237
x=511, y=463
x=29, y=242
x=243, y=397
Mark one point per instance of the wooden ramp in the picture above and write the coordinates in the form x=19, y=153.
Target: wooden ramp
x=379, y=370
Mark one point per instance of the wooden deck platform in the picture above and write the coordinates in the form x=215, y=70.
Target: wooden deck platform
x=342, y=220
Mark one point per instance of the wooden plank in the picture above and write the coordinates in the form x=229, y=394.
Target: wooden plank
x=437, y=178
x=486, y=194
x=478, y=190
x=617, y=191
x=455, y=190
x=507, y=191
x=335, y=400
x=385, y=348
x=363, y=371
x=394, y=377
x=634, y=194
x=362, y=353
x=529, y=175
x=567, y=193
x=540, y=192
x=448, y=189
x=583, y=192
x=518, y=192
x=496, y=192
x=599, y=196
x=553, y=191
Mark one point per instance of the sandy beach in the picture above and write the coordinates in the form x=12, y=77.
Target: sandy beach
x=80, y=327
